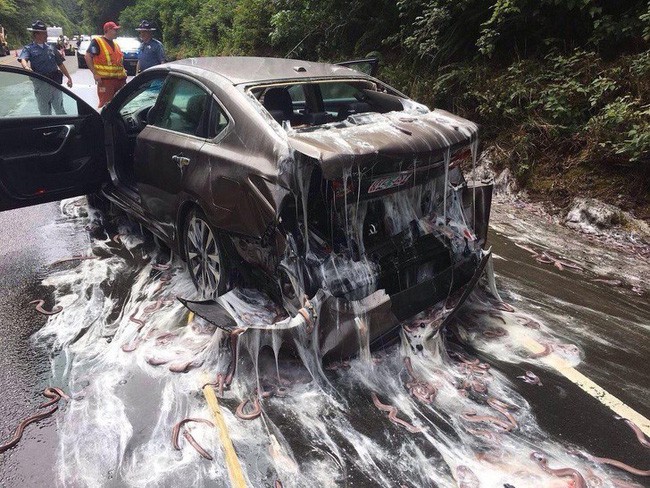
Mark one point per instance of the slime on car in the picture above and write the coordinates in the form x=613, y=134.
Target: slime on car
x=318, y=185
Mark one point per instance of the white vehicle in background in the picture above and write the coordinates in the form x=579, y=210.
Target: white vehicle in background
x=54, y=32
x=57, y=40
x=81, y=52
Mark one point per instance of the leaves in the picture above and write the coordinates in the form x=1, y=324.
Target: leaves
x=17, y=15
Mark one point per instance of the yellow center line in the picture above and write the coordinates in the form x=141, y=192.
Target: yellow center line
x=235, y=472
x=565, y=369
x=237, y=479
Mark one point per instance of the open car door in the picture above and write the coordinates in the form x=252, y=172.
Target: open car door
x=46, y=156
x=368, y=66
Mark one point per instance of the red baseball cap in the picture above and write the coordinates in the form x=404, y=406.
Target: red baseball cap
x=110, y=25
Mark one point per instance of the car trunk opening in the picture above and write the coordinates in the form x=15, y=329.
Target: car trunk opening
x=384, y=212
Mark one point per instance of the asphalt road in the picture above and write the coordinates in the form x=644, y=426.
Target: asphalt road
x=33, y=238
x=29, y=241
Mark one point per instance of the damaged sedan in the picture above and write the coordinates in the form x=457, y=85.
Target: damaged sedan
x=317, y=185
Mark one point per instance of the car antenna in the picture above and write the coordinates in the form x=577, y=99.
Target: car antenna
x=297, y=45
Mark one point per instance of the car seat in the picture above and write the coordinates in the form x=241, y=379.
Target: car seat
x=195, y=114
x=279, y=104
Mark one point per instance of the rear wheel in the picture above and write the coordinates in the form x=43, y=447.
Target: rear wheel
x=204, y=254
x=98, y=202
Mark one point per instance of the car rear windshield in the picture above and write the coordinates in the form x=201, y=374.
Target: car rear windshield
x=308, y=105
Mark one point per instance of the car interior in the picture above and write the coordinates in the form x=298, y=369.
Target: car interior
x=186, y=108
x=132, y=118
x=307, y=105
x=182, y=107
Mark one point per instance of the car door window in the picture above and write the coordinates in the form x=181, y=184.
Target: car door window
x=297, y=93
x=218, y=120
x=339, y=92
x=182, y=108
x=23, y=95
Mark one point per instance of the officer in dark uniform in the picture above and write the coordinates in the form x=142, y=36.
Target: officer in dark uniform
x=45, y=60
x=151, y=52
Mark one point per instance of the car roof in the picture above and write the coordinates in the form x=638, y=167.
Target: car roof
x=252, y=70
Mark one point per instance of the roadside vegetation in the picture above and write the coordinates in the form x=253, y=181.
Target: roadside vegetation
x=561, y=88
x=17, y=15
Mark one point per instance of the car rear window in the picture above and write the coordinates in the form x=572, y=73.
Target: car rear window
x=305, y=105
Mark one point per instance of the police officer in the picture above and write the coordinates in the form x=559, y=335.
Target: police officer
x=45, y=60
x=151, y=50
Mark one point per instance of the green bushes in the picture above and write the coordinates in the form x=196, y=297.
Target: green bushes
x=17, y=15
x=556, y=105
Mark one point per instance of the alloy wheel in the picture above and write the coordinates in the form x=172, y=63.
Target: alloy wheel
x=203, y=257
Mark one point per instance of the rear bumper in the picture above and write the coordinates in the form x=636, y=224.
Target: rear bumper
x=382, y=313
x=338, y=333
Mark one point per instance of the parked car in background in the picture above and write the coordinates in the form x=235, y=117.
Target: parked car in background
x=301, y=179
x=81, y=52
x=129, y=47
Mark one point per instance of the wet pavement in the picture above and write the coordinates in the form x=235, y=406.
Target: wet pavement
x=30, y=240
x=608, y=324
x=116, y=430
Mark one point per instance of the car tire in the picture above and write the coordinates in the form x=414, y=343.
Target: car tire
x=205, y=257
x=98, y=201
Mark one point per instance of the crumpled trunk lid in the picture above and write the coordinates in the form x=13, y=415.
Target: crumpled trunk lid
x=380, y=144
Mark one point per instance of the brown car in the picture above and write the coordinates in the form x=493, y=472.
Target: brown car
x=297, y=178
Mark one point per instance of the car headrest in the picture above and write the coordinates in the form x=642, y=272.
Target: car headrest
x=278, y=99
x=195, y=106
x=353, y=108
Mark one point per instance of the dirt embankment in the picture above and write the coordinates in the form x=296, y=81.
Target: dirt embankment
x=558, y=185
x=583, y=207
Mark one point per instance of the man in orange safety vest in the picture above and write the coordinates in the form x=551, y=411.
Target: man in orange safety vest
x=105, y=60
